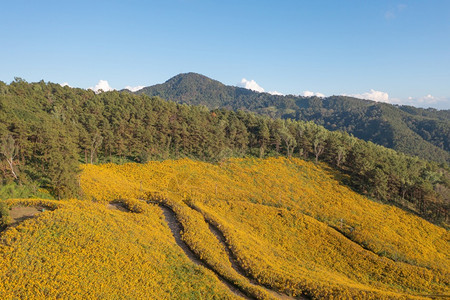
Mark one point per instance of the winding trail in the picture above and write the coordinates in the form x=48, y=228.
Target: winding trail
x=233, y=260
x=176, y=229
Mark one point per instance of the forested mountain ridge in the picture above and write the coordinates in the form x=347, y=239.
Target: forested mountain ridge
x=47, y=130
x=415, y=131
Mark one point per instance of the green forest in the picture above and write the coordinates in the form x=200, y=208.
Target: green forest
x=415, y=131
x=47, y=131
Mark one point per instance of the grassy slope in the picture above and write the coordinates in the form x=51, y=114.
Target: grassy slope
x=292, y=225
x=83, y=250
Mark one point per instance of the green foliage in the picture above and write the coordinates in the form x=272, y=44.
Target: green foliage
x=13, y=190
x=4, y=214
x=415, y=131
x=58, y=158
x=56, y=128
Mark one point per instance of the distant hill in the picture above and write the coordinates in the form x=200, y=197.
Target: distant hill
x=415, y=131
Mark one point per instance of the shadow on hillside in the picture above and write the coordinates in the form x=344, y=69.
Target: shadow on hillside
x=117, y=206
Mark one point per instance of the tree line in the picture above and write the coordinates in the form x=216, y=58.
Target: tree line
x=47, y=130
x=414, y=131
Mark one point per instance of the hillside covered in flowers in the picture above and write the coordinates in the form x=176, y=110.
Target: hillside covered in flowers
x=291, y=224
x=292, y=228
x=83, y=250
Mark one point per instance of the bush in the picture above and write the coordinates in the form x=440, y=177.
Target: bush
x=14, y=190
x=4, y=215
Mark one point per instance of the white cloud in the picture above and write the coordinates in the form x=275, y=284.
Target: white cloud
x=427, y=101
x=311, y=94
x=276, y=93
x=101, y=85
x=424, y=101
x=134, y=88
x=374, y=95
x=65, y=84
x=251, y=85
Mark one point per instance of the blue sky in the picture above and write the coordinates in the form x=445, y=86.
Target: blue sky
x=393, y=51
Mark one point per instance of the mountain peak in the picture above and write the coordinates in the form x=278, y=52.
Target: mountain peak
x=192, y=78
x=381, y=123
x=191, y=88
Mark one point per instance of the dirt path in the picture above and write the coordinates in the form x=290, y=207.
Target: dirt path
x=175, y=227
x=219, y=235
x=21, y=213
x=234, y=263
x=117, y=206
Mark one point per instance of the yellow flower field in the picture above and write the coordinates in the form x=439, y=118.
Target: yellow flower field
x=82, y=250
x=291, y=225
